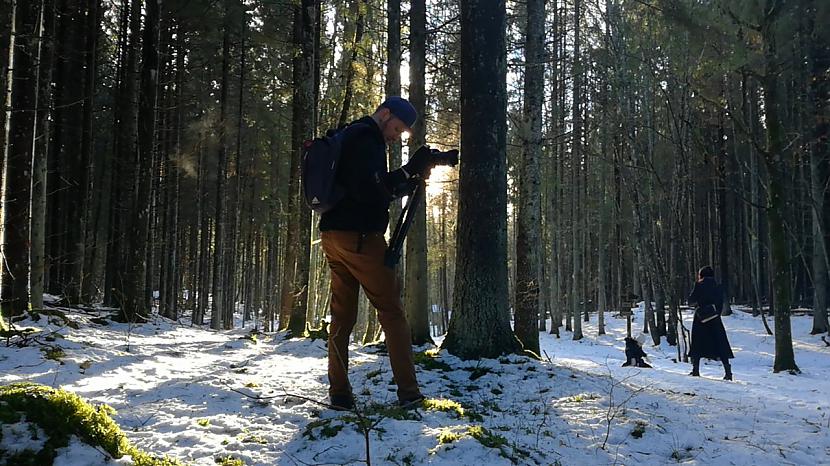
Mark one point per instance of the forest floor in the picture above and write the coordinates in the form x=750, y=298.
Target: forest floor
x=198, y=395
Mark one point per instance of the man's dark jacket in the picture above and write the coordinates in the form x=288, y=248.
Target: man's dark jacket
x=362, y=172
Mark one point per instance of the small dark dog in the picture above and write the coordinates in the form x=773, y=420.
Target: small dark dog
x=634, y=354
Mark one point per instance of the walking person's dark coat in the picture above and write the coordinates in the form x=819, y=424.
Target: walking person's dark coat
x=708, y=333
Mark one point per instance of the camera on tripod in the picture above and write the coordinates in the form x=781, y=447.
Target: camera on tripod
x=449, y=158
x=427, y=159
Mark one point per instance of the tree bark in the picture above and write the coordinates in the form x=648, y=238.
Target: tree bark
x=528, y=238
x=295, y=290
x=723, y=208
x=393, y=87
x=6, y=8
x=480, y=324
x=416, y=291
x=14, y=293
x=126, y=129
x=40, y=161
x=819, y=95
x=775, y=160
x=136, y=305
x=576, y=163
x=218, y=284
x=359, y=7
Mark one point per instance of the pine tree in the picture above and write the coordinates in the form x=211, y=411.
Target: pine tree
x=528, y=242
x=416, y=290
x=14, y=293
x=480, y=323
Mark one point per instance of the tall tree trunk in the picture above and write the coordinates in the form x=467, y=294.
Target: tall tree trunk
x=819, y=96
x=555, y=185
x=358, y=8
x=393, y=87
x=480, y=323
x=723, y=208
x=64, y=172
x=203, y=220
x=136, y=305
x=82, y=236
x=172, y=255
x=14, y=293
x=233, y=246
x=6, y=9
x=40, y=161
x=445, y=285
x=118, y=253
x=576, y=216
x=602, y=258
x=218, y=290
x=775, y=160
x=416, y=291
x=528, y=238
x=295, y=289
x=100, y=172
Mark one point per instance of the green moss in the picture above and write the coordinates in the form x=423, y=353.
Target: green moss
x=61, y=414
x=448, y=436
x=327, y=429
x=478, y=372
x=480, y=434
x=446, y=406
x=428, y=360
x=253, y=438
x=204, y=422
x=390, y=411
x=228, y=461
x=486, y=438
x=453, y=407
x=489, y=405
x=54, y=353
x=581, y=397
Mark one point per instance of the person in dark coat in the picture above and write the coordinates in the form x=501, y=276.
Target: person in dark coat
x=708, y=334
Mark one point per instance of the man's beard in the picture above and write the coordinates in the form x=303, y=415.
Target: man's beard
x=383, y=126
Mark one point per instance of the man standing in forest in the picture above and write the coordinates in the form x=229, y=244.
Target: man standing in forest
x=352, y=239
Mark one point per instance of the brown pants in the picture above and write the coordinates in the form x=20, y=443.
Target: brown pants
x=357, y=260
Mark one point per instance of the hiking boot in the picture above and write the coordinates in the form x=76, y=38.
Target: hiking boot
x=695, y=367
x=341, y=402
x=411, y=403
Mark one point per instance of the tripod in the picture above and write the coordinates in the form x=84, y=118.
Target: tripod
x=393, y=252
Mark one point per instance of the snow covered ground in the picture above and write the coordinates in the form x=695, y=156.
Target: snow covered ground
x=197, y=395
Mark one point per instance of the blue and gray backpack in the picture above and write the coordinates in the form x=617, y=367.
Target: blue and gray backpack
x=321, y=157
